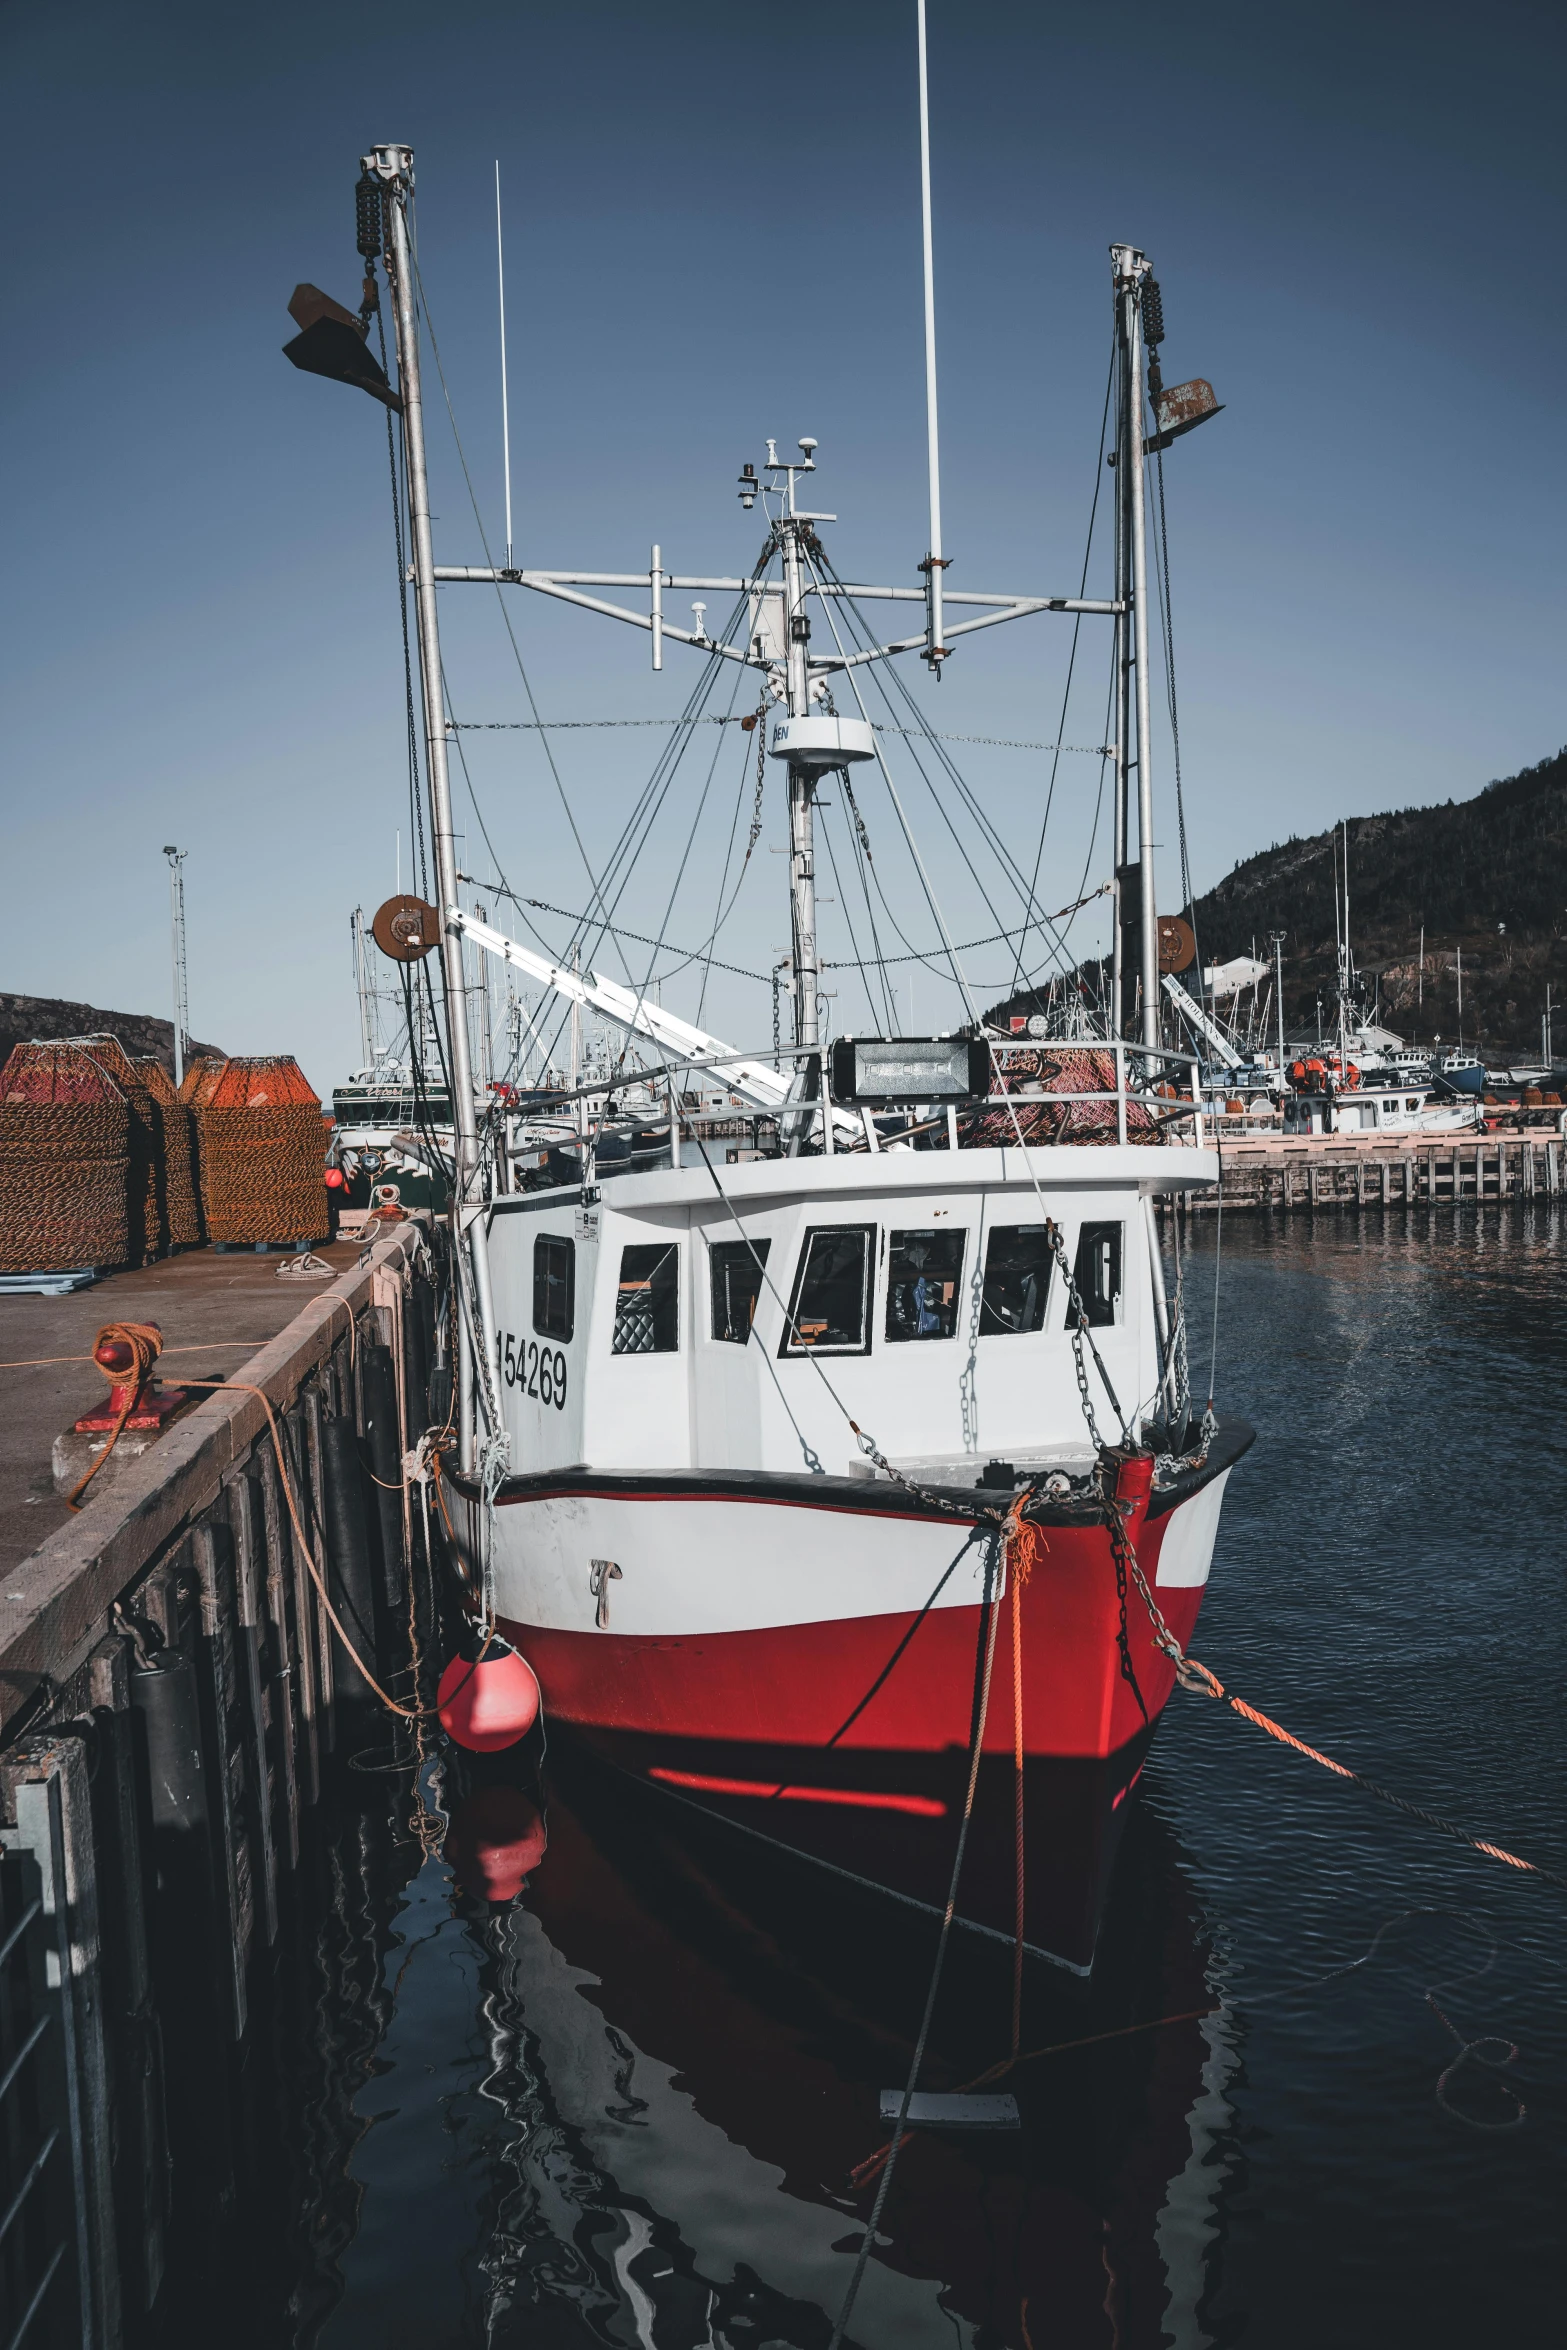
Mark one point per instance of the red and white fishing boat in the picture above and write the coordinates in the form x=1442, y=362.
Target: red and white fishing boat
x=739, y=1432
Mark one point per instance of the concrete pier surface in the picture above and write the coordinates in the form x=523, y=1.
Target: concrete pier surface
x=223, y=1307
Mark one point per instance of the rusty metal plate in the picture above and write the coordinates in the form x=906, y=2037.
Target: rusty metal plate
x=406, y=929
x=1177, y=943
x=1182, y=405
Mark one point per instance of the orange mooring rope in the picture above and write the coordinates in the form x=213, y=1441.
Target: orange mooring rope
x=243, y=1387
x=145, y=1341
x=1198, y=1677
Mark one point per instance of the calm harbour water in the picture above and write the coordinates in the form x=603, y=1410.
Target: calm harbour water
x=625, y=2109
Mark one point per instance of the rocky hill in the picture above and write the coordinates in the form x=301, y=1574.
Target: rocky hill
x=1487, y=877
x=27, y=1017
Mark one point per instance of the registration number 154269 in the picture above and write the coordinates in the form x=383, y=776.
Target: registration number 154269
x=540, y=1371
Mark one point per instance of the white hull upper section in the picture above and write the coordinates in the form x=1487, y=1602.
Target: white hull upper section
x=690, y=1566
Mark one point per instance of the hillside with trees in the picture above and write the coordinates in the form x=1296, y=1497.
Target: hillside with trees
x=1487, y=878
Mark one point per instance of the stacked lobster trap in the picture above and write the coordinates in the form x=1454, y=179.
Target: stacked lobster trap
x=260, y=1151
x=65, y=1161
x=103, y=1164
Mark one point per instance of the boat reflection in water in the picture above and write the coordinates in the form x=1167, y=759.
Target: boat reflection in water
x=685, y=2044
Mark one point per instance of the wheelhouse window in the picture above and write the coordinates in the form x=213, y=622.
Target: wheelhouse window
x=1016, y=1289
x=647, y=1302
x=923, y=1272
x=554, y=1285
x=830, y=1310
x=1097, y=1272
x=736, y=1268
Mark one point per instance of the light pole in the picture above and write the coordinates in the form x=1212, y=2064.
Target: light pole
x=176, y=859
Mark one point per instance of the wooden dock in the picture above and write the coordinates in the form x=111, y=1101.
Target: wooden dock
x=171, y=1690
x=1323, y=1171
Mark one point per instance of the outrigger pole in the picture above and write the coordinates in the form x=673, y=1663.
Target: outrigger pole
x=393, y=167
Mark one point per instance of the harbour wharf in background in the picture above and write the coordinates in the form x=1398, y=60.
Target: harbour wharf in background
x=1323, y=1172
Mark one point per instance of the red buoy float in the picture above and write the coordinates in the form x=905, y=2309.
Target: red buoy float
x=495, y=1842
x=488, y=1696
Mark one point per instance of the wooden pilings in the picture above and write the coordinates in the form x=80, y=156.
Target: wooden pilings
x=169, y=1688
x=1287, y=1176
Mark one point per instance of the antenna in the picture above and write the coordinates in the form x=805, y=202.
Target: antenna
x=176, y=859
x=934, y=564
x=500, y=277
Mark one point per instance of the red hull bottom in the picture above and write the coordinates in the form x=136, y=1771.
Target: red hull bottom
x=1073, y=1812
x=846, y=1739
x=883, y=1802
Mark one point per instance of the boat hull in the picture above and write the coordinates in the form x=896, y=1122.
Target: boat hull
x=804, y=1664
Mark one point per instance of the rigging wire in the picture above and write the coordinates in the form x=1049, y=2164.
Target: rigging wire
x=522, y=671
x=856, y=622
x=1077, y=622
x=858, y=963
x=685, y=856
x=722, y=912
x=894, y=682
x=637, y=829
x=892, y=793
x=1167, y=634
x=704, y=686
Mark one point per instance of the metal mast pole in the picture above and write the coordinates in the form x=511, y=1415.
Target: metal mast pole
x=176, y=859
x=1121, y=992
x=802, y=793
x=1137, y=269
x=393, y=165
x=500, y=277
x=933, y=565
x=356, y=923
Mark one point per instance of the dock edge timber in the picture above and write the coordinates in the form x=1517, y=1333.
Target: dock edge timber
x=56, y=1603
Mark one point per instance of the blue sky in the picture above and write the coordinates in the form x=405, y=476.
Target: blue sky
x=1355, y=214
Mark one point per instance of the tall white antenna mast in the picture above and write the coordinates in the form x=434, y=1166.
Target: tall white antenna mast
x=500, y=276
x=176, y=859
x=362, y=981
x=933, y=565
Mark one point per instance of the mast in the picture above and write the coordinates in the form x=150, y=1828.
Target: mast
x=176, y=859
x=1124, y=899
x=934, y=564
x=393, y=166
x=356, y=923
x=1131, y=268
x=500, y=276
x=802, y=788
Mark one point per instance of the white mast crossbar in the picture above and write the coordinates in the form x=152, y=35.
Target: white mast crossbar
x=567, y=586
